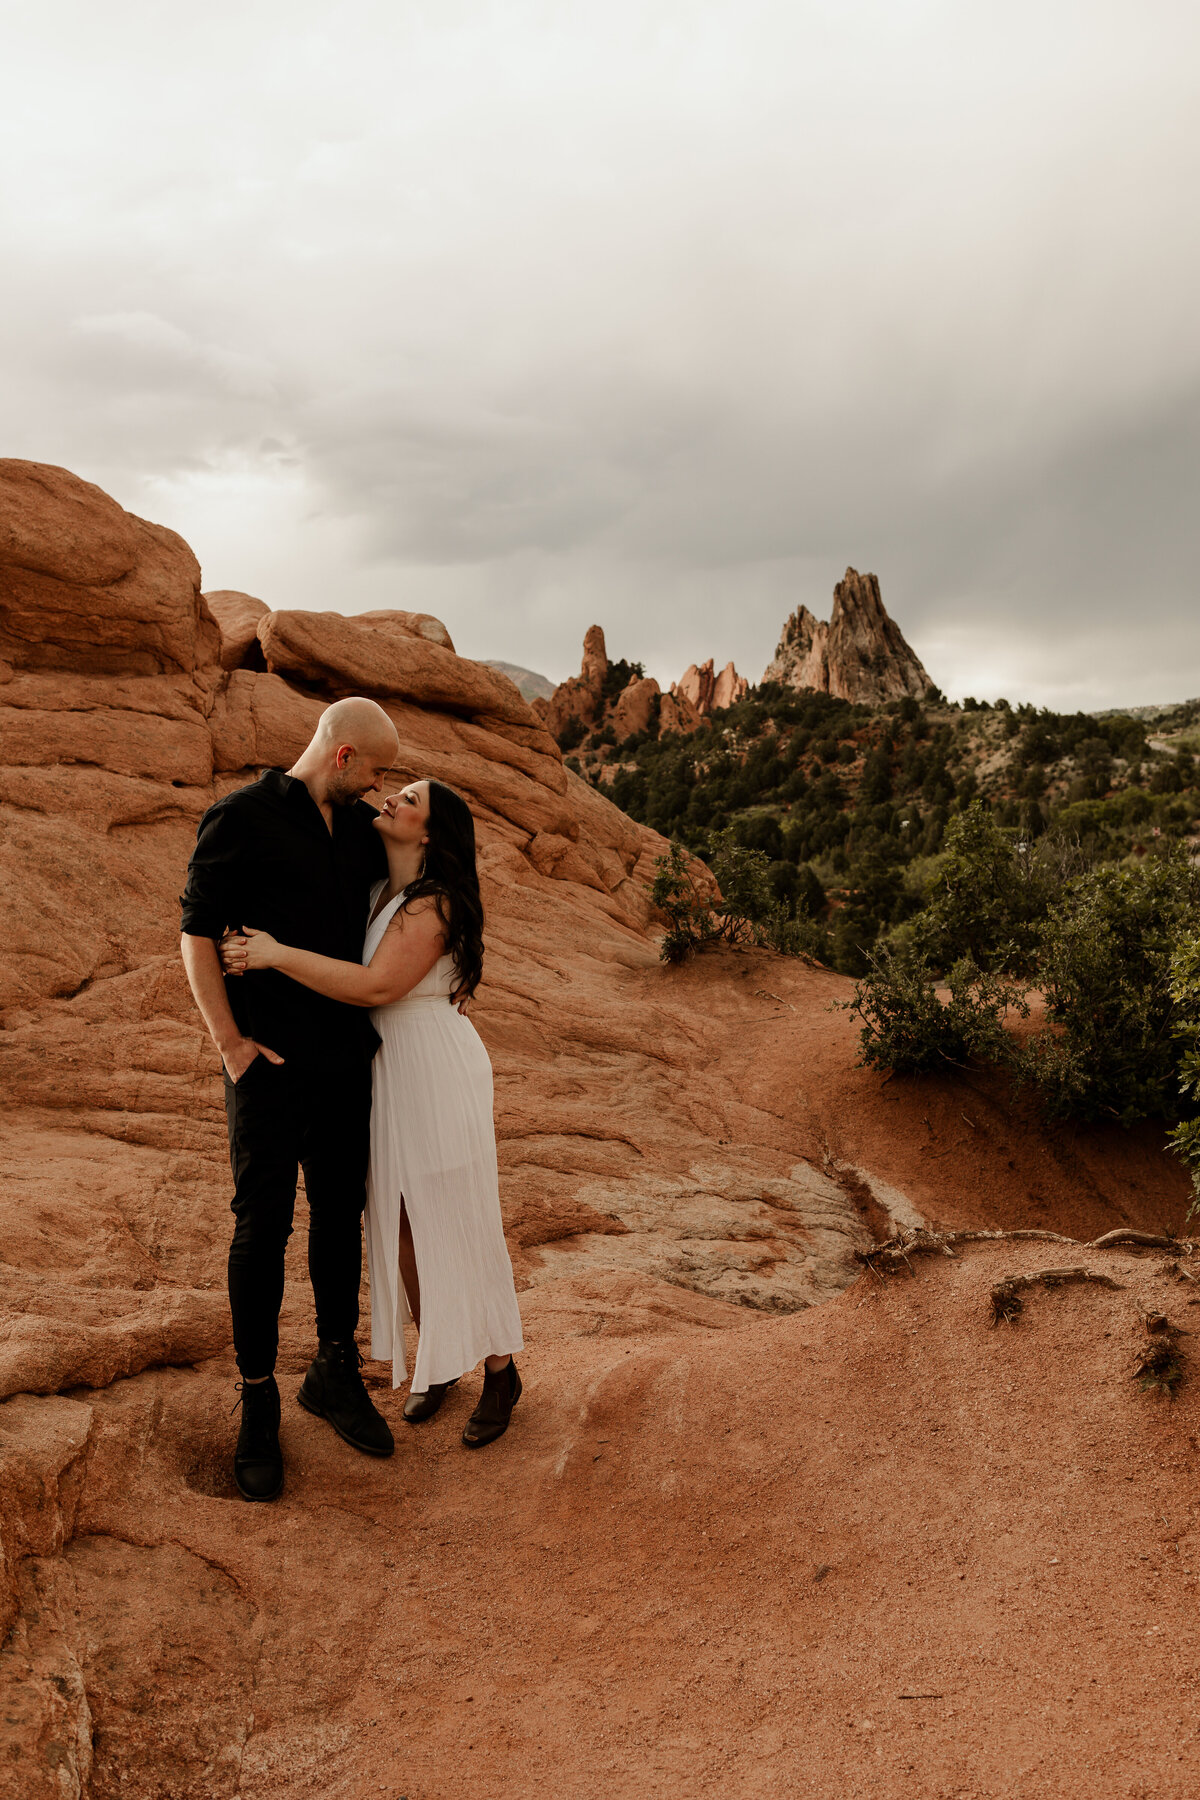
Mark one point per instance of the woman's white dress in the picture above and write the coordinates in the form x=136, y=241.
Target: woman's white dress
x=433, y=1144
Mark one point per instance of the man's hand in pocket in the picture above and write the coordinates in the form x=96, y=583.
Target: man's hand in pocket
x=240, y=1054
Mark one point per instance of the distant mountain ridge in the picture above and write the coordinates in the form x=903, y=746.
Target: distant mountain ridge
x=532, y=685
x=1157, y=711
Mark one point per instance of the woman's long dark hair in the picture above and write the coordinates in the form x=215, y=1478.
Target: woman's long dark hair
x=450, y=876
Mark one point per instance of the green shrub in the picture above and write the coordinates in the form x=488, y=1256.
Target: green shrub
x=688, y=911
x=1105, y=962
x=908, y=1028
x=617, y=679
x=1185, y=995
x=986, y=899
x=747, y=911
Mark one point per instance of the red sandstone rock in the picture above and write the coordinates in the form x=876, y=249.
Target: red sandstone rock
x=238, y=617
x=688, y=1156
x=634, y=707
x=706, y=692
x=421, y=625
x=861, y=655
x=85, y=585
x=801, y=658
x=677, y=713
x=579, y=696
x=641, y=702
x=379, y=657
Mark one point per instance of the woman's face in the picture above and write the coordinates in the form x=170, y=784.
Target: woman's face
x=404, y=817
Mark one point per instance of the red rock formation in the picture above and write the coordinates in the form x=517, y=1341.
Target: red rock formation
x=87, y=586
x=861, y=655
x=634, y=708
x=705, y=692
x=684, y=1154
x=238, y=616
x=690, y=700
x=676, y=713
x=801, y=659
x=579, y=696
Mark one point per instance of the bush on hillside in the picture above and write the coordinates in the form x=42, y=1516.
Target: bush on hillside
x=1185, y=996
x=1117, y=956
x=909, y=1029
x=1107, y=963
x=987, y=897
x=747, y=911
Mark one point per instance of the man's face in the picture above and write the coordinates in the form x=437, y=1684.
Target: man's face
x=359, y=772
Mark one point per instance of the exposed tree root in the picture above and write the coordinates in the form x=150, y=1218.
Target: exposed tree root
x=893, y=1254
x=1006, y=1295
x=1146, y=1240
x=1159, y=1366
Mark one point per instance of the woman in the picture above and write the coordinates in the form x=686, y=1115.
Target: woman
x=435, y=1241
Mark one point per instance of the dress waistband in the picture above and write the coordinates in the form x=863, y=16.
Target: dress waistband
x=424, y=1000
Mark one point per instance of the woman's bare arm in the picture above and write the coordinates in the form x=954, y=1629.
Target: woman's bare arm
x=411, y=946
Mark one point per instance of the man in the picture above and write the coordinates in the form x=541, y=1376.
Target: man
x=296, y=854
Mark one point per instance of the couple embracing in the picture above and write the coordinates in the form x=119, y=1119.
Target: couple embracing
x=332, y=951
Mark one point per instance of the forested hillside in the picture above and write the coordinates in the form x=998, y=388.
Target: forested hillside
x=851, y=804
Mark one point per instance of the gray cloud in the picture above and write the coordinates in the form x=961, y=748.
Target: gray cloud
x=660, y=317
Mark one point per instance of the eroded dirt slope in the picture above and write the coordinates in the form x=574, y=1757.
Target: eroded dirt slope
x=877, y=1548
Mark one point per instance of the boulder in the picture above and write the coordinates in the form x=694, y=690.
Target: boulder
x=238, y=617
x=106, y=738
x=421, y=625
x=378, y=656
x=635, y=707
x=85, y=585
x=259, y=722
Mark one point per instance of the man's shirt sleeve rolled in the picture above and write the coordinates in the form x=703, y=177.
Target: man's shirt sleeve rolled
x=208, y=899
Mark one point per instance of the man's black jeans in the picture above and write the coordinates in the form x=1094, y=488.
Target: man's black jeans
x=280, y=1119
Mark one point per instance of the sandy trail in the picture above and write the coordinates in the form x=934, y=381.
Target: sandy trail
x=877, y=1549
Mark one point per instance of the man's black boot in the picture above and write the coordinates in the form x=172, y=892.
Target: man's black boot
x=333, y=1389
x=258, y=1460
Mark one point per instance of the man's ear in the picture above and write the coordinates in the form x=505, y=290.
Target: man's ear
x=344, y=754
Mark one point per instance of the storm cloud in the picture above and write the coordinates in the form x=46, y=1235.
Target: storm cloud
x=534, y=315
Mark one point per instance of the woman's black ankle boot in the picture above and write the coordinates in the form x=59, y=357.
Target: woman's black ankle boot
x=501, y=1391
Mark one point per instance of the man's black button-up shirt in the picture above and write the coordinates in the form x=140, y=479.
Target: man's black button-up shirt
x=265, y=857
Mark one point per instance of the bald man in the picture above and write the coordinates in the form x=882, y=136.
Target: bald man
x=296, y=854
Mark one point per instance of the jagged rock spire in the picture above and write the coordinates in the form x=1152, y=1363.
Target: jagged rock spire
x=860, y=655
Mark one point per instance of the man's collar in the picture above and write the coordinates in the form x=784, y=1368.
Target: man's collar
x=294, y=792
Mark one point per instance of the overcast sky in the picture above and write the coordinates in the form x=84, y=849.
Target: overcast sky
x=658, y=316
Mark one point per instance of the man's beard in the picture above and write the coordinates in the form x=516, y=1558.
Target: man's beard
x=345, y=795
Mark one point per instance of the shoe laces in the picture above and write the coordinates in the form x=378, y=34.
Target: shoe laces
x=245, y=1389
x=346, y=1361
x=258, y=1426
